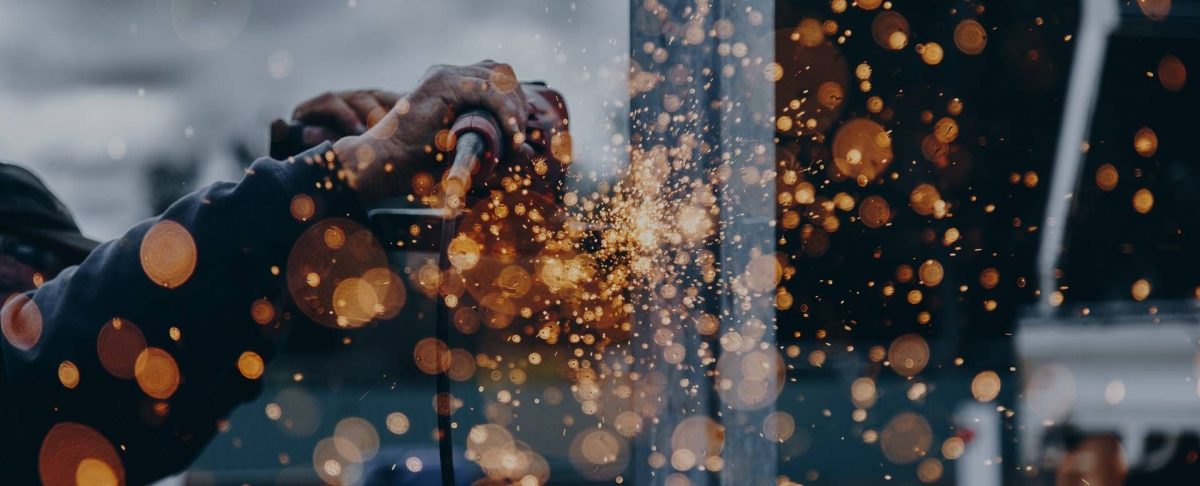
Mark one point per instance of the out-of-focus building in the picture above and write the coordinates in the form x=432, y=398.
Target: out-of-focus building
x=1109, y=356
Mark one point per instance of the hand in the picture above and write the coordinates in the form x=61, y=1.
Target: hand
x=330, y=116
x=404, y=142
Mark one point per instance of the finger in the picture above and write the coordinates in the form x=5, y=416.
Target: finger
x=366, y=107
x=386, y=98
x=330, y=108
x=502, y=96
x=503, y=82
x=313, y=135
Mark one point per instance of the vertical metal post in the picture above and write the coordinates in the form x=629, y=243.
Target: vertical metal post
x=664, y=66
x=746, y=151
x=1098, y=19
x=701, y=93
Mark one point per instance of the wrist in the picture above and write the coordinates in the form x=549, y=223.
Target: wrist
x=346, y=150
x=358, y=158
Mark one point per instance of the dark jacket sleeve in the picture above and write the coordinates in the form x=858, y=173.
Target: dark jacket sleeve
x=242, y=234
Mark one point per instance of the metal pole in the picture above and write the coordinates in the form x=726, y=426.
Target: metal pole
x=707, y=60
x=1097, y=21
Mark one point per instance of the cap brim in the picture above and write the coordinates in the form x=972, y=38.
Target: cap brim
x=72, y=245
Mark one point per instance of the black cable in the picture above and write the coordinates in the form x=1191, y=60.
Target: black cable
x=470, y=147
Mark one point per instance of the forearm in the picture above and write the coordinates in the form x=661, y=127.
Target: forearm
x=187, y=280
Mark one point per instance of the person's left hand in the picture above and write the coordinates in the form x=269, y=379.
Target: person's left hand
x=333, y=115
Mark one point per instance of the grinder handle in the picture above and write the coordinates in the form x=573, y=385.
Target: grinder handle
x=478, y=159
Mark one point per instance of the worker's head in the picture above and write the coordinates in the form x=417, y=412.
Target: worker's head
x=38, y=236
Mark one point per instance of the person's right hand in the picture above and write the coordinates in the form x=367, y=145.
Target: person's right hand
x=404, y=143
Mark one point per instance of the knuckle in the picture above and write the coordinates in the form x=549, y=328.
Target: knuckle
x=439, y=71
x=437, y=78
x=507, y=70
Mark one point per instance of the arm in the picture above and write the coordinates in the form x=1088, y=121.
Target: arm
x=240, y=232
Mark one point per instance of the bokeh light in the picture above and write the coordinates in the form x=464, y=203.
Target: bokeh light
x=168, y=254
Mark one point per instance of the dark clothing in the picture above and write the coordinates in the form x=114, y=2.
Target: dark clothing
x=243, y=233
